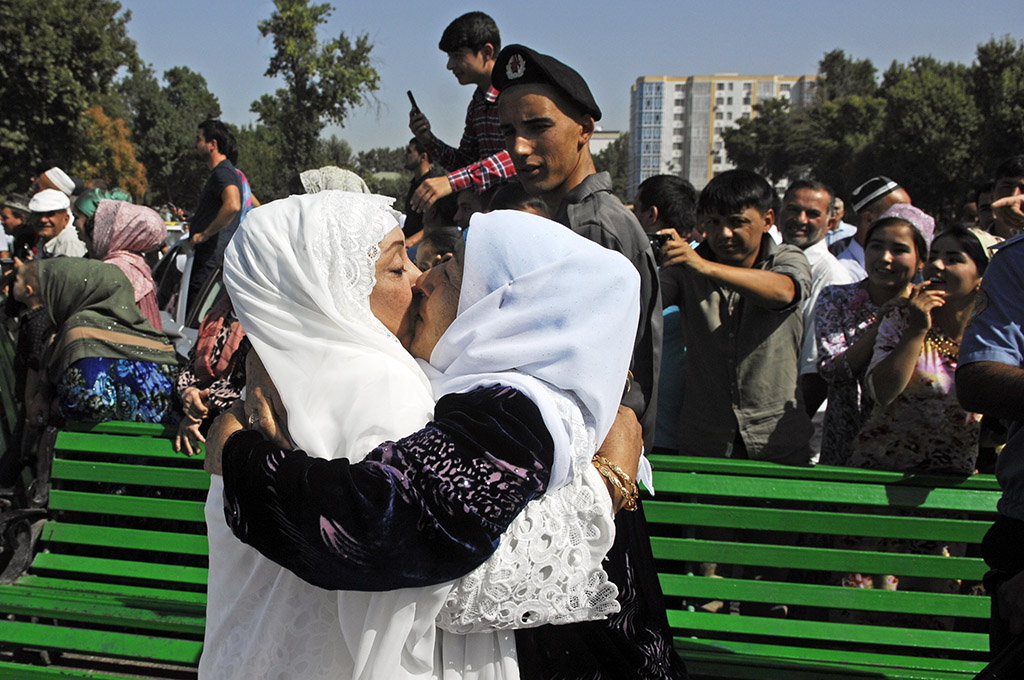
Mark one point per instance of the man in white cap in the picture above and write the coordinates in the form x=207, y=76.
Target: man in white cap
x=870, y=200
x=55, y=178
x=49, y=207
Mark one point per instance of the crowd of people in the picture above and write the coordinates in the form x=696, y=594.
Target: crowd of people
x=431, y=395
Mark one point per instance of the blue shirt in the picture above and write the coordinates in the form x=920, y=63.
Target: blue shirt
x=994, y=334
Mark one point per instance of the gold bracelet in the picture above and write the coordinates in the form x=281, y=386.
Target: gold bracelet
x=619, y=479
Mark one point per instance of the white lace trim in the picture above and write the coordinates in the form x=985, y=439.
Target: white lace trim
x=547, y=568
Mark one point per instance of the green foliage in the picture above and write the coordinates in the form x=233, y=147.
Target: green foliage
x=323, y=80
x=763, y=143
x=164, y=121
x=840, y=76
x=614, y=159
x=56, y=59
x=259, y=157
x=997, y=84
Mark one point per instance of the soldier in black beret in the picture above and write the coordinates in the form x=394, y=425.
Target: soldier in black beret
x=547, y=116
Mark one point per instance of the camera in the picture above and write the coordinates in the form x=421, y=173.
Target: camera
x=658, y=241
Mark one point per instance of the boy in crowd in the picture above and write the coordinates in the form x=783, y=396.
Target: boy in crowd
x=471, y=42
x=740, y=296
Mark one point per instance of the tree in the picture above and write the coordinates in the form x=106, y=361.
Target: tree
x=997, y=85
x=108, y=154
x=259, y=157
x=841, y=76
x=614, y=159
x=323, y=80
x=928, y=138
x=163, y=121
x=56, y=58
x=763, y=143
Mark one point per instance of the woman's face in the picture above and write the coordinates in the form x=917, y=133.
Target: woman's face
x=391, y=299
x=950, y=269
x=891, y=258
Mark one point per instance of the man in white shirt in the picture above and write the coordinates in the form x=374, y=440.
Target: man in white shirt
x=869, y=201
x=50, y=207
x=807, y=216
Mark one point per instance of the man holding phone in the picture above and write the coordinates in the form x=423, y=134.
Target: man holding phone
x=471, y=42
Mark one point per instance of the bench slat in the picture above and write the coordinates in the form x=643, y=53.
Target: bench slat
x=826, y=630
x=102, y=642
x=148, y=615
x=811, y=491
x=118, y=473
x=71, y=588
x=98, y=566
x=900, y=601
x=113, y=444
x=119, y=537
x=814, y=521
x=131, y=506
x=819, y=559
x=18, y=672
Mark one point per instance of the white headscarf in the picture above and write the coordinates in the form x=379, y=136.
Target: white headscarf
x=331, y=177
x=300, y=272
x=541, y=304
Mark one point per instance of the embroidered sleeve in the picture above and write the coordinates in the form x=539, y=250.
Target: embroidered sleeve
x=423, y=510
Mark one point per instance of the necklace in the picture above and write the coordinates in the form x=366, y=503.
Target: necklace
x=943, y=345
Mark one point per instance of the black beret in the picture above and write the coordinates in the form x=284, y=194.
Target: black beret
x=519, y=65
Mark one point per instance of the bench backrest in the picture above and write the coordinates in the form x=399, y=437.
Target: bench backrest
x=791, y=521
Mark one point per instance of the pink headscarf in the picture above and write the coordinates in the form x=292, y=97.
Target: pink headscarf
x=122, y=233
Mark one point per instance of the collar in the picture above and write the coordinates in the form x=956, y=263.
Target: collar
x=491, y=95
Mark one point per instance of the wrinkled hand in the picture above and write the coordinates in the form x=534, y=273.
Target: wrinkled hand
x=420, y=127
x=1011, y=603
x=264, y=410
x=195, y=402
x=429, y=191
x=623, y=446
x=223, y=427
x=922, y=302
x=188, y=438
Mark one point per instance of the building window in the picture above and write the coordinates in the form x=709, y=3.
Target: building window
x=730, y=87
x=718, y=129
x=719, y=101
x=677, y=131
x=746, y=101
x=785, y=87
x=679, y=102
x=677, y=116
x=745, y=115
x=729, y=101
x=679, y=87
x=718, y=115
x=720, y=87
x=677, y=146
x=746, y=87
x=718, y=159
x=728, y=116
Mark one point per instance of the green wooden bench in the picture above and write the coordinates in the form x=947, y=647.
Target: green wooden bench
x=117, y=585
x=786, y=518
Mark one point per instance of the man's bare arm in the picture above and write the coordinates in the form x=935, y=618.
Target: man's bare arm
x=231, y=203
x=991, y=388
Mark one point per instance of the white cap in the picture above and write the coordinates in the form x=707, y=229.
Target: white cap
x=61, y=180
x=49, y=200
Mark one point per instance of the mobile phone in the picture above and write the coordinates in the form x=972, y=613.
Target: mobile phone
x=658, y=241
x=412, y=100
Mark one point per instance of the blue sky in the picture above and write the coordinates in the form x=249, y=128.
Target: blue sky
x=609, y=43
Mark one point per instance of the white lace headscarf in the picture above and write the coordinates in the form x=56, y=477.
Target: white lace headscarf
x=332, y=178
x=300, y=272
x=542, y=307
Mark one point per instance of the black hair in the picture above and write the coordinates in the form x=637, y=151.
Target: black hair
x=512, y=196
x=446, y=209
x=674, y=197
x=1010, y=167
x=986, y=187
x=969, y=243
x=734, y=191
x=215, y=131
x=443, y=239
x=472, y=30
x=813, y=185
x=232, y=152
x=416, y=144
x=920, y=245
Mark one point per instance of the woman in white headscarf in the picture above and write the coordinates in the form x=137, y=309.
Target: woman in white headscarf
x=418, y=512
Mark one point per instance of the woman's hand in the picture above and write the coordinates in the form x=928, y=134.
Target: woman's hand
x=223, y=427
x=195, y=403
x=188, y=437
x=922, y=302
x=264, y=410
